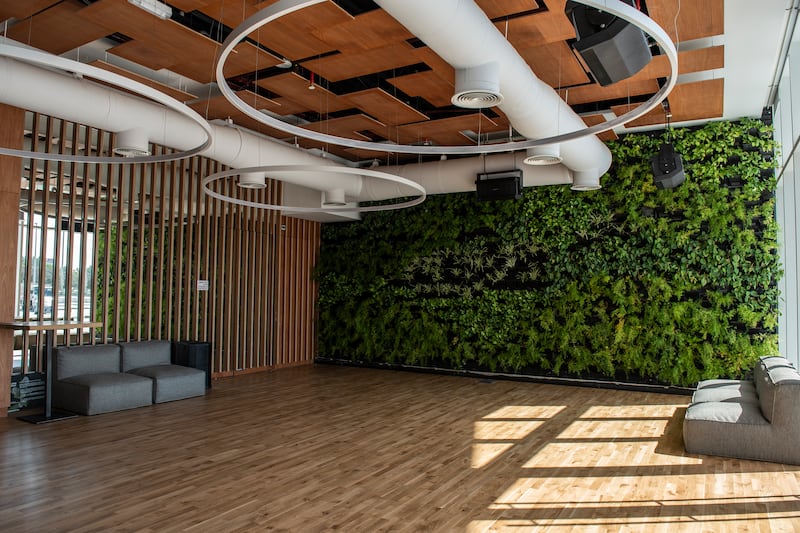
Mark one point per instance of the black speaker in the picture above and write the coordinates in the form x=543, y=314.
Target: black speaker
x=499, y=185
x=612, y=48
x=667, y=168
x=195, y=355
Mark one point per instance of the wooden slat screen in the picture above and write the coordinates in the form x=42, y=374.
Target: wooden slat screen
x=128, y=244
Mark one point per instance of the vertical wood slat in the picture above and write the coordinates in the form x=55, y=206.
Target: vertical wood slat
x=102, y=170
x=170, y=268
x=187, y=222
x=197, y=251
x=70, y=237
x=58, y=214
x=138, y=214
x=128, y=222
x=87, y=213
x=118, y=224
x=109, y=225
x=164, y=219
x=152, y=249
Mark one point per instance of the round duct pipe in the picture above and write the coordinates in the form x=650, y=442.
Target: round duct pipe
x=478, y=87
x=333, y=198
x=585, y=180
x=543, y=155
x=132, y=143
x=253, y=180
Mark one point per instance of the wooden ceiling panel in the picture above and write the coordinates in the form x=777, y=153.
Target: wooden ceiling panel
x=384, y=107
x=540, y=28
x=555, y=64
x=439, y=65
x=293, y=35
x=58, y=29
x=296, y=97
x=219, y=107
x=594, y=93
x=142, y=54
x=374, y=29
x=177, y=94
x=687, y=101
x=696, y=19
x=447, y=132
x=182, y=50
x=592, y=120
x=352, y=65
x=22, y=10
x=689, y=61
x=502, y=8
x=229, y=12
x=427, y=85
x=348, y=127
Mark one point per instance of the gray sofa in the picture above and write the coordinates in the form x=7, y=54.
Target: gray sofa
x=748, y=419
x=110, y=377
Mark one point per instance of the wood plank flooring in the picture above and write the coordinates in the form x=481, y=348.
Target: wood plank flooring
x=359, y=450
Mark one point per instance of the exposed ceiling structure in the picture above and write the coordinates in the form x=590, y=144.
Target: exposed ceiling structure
x=373, y=79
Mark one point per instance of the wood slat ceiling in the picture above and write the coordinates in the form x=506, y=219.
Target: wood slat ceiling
x=371, y=74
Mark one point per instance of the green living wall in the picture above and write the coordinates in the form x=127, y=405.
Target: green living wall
x=628, y=282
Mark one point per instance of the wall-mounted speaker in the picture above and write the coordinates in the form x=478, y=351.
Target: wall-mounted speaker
x=667, y=167
x=499, y=185
x=610, y=47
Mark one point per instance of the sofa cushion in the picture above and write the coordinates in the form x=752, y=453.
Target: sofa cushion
x=91, y=394
x=777, y=380
x=173, y=382
x=743, y=393
x=145, y=353
x=80, y=360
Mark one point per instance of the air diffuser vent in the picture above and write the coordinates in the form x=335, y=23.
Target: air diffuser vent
x=478, y=87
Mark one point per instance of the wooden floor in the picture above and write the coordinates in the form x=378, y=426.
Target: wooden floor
x=359, y=450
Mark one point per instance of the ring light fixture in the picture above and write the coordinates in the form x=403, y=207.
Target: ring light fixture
x=284, y=7
x=43, y=59
x=270, y=169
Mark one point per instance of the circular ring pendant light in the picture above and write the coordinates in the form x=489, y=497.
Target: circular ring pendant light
x=46, y=60
x=332, y=207
x=284, y=7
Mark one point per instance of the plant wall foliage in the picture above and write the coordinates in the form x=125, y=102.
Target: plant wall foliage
x=628, y=282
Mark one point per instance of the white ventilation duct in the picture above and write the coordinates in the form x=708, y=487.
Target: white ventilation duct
x=461, y=34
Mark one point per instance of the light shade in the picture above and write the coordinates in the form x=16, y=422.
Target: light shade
x=549, y=154
x=159, y=9
x=132, y=143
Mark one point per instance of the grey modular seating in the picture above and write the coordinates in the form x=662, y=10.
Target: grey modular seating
x=748, y=419
x=111, y=377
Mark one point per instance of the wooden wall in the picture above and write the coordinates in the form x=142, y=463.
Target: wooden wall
x=156, y=242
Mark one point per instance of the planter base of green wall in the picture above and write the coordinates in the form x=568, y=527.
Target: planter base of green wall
x=597, y=383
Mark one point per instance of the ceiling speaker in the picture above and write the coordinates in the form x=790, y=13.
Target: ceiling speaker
x=611, y=48
x=499, y=185
x=667, y=168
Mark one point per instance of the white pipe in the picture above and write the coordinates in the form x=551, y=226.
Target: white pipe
x=461, y=34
